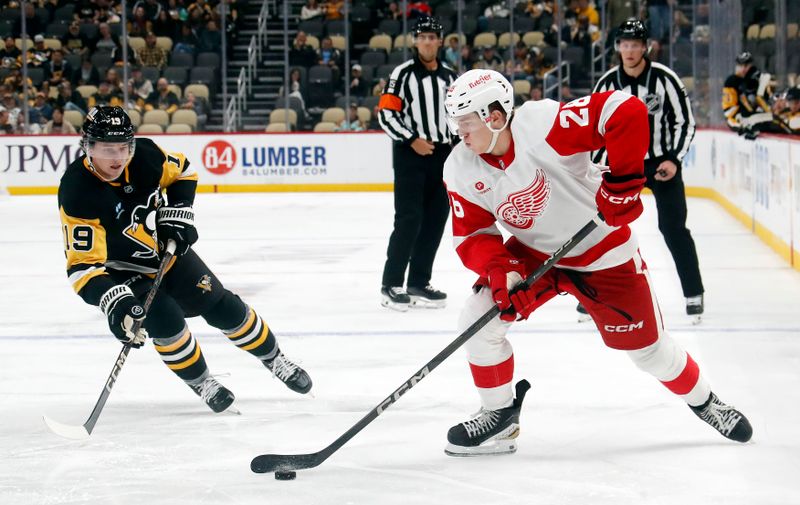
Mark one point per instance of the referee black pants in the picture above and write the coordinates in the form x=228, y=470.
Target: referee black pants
x=420, y=213
x=671, y=205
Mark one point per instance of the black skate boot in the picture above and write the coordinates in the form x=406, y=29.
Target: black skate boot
x=395, y=298
x=217, y=397
x=289, y=373
x=725, y=419
x=694, y=308
x=427, y=297
x=490, y=431
x=583, y=314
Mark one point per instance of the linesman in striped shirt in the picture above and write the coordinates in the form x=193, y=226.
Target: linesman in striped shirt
x=671, y=131
x=411, y=112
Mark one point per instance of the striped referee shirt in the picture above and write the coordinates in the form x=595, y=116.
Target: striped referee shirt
x=670, y=111
x=412, y=104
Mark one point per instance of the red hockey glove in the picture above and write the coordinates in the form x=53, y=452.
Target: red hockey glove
x=523, y=299
x=618, y=198
x=503, y=276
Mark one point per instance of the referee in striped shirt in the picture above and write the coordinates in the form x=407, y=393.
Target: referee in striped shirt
x=671, y=133
x=411, y=112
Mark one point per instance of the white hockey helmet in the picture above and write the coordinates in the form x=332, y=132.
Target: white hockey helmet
x=475, y=91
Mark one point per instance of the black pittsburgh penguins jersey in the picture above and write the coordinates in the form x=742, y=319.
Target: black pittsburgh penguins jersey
x=113, y=224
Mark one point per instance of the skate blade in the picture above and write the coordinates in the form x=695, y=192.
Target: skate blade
x=399, y=307
x=419, y=302
x=493, y=448
x=582, y=318
x=232, y=411
x=697, y=319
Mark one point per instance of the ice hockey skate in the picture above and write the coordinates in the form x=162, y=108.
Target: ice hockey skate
x=490, y=432
x=289, y=373
x=694, y=308
x=426, y=297
x=217, y=397
x=583, y=314
x=395, y=298
x=725, y=419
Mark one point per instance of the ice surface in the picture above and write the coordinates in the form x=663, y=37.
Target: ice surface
x=595, y=430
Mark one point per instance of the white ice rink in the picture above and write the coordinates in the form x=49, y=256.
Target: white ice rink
x=595, y=430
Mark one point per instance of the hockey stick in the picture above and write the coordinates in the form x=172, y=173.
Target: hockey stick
x=278, y=463
x=83, y=431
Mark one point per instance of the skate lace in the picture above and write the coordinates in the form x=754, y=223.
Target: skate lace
x=397, y=291
x=282, y=367
x=208, y=388
x=722, y=417
x=484, y=421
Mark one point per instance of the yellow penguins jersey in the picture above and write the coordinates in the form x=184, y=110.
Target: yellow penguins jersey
x=113, y=224
x=744, y=96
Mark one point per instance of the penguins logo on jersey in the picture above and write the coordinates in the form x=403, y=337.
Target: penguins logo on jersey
x=204, y=283
x=143, y=227
x=653, y=103
x=522, y=208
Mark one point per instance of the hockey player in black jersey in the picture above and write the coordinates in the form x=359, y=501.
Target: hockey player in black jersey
x=120, y=204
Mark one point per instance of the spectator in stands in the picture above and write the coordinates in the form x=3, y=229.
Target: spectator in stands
x=58, y=68
x=105, y=13
x=70, y=99
x=106, y=41
x=391, y=11
x=164, y=25
x=42, y=107
x=10, y=55
x=658, y=19
x=114, y=80
x=106, y=95
x=85, y=11
x=162, y=98
x=516, y=67
x=451, y=52
x=311, y=10
x=584, y=8
x=177, y=12
x=542, y=14
x=351, y=122
x=200, y=107
x=32, y=127
x=142, y=87
x=11, y=105
x=489, y=60
x=33, y=24
x=151, y=8
x=295, y=87
x=139, y=24
x=151, y=55
x=497, y=9
x=617, y=12
x=467, y=57
x=358, y=85
x=86, y=74
x=210, y=38
x=377, y=90
x=57, y=124
x=186, y=41
x=199, y=13
x=537, y=93
x=301, y=54
x=329, y=55
x=74, y=42
x=14, y=82
x=566, y=94
x=418, y=9
x=334, y=9
x=6, y=127
x=39, y=55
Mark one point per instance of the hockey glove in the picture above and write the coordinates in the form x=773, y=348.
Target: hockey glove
x=618, y=198
x=502, y=278
x=123, y=310
x=176, y=223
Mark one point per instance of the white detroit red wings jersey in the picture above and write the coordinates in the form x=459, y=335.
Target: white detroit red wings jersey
x=543, y=189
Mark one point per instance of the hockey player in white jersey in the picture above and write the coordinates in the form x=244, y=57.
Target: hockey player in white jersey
x=528, y=170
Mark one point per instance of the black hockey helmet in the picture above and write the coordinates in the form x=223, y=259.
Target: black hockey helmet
x=108, y=124
x=793, y=93
x=632, y=29
x=428, y=24
x=744, y=58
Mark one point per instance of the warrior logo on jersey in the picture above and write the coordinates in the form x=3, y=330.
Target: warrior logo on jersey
x=204, y=283
x=653, y=103
x=522, y=208
x=143, y=226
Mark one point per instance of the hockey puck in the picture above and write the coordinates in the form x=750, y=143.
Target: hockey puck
x=285, y=475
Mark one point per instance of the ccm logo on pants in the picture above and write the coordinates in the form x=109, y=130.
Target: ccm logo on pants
x=624, y=327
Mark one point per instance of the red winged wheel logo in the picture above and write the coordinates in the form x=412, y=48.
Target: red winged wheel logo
x=523, y=207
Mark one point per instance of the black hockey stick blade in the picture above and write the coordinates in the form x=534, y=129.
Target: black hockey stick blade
x=82, y=432
x=266, y=463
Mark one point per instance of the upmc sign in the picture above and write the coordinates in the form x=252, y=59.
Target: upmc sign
x=35, y=163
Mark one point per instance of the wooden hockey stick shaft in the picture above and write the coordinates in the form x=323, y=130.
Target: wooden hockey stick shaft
x=265, y=463
x=83, y=431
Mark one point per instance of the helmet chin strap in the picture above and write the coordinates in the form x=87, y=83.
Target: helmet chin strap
x=496, y=134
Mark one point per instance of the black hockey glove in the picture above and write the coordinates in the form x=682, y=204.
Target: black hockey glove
x=176, y=223
x=123, y=310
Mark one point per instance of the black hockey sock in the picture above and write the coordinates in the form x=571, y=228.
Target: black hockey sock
x=182, y=354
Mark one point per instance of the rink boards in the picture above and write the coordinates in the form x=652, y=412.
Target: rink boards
x=756, y=181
